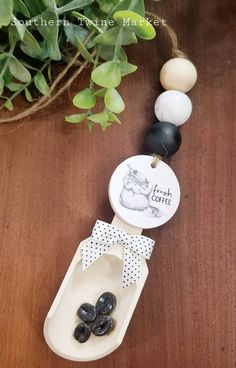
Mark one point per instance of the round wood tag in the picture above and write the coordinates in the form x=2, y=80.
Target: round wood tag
x=144, y=196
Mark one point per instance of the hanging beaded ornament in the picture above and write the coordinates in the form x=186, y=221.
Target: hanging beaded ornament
x=144, y=193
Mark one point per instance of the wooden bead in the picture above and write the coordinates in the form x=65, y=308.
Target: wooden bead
x=178, y=74
x=162, y=139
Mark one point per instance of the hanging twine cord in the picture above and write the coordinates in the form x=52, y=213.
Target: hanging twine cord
x=45, y=101
x=170, y=34
x=156, y=160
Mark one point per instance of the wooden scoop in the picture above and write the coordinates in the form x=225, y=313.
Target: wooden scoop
x=78, y=287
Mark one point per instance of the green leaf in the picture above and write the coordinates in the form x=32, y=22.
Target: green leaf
x=110, y=37
x=127, y=68
x=50, y=33
x=35, y=7
x=77, y=118
x=107, y=53
x=73, y=31
x=85, y=99
x=6, y=9
x=114, y=101
x=4, y=55
x=9, y=106
x=50, y=4
x=28, y=95
x=19, y=27
x=19, y=71
x=1, y=85
x=107, y=75
x=14, y=87
x=88, y=21
x=113, y=118
x=134, y=22
x=30, y=45
x=41, y=83
x=101, y=92
x=20, y=7
x=84, y=52
x=100, y=118
x=72, y=5
x=137, y=7
x=7, y=76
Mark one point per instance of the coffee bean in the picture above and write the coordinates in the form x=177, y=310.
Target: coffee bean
x=106, y=303
x=87, y=312
x=82, y=332
x=103, y=325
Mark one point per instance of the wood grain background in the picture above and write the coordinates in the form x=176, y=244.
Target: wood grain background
x=53, y=186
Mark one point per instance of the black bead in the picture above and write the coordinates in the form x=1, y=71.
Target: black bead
x=162, y=139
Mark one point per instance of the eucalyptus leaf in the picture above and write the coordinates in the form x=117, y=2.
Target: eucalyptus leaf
x=107, y=53
x=50, y=4
x=89, y=23
x=100, y=118
x=35, y=7
x=9, y=105
x=101, y=92
x=4, y=55
x=113, y=118
x=107, y=75
x=110, y=37
x=72, y=5
x=28, y=95
x=85, y=99
x=136, y=23
x=1, y=85
x=49, y=29
x=76, y=118
x=19, y=27
x=114, y=101
x=19, y=71
x=7, y=76
x=13, y=87
x=20, y=7
x=127, y=68
x=135, y=6
x=84, y=52
x=41, y=83
x=73, y=31
x=6, y=12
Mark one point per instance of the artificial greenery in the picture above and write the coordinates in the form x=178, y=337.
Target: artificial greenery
x=36, y=35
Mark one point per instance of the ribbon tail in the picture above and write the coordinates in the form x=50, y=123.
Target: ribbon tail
x=91, y=251
x=131, y=267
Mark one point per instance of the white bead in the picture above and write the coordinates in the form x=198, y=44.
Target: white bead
x=173, y=107
x=178, y=74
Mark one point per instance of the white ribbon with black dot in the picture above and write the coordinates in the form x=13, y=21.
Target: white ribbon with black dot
x=104, y=236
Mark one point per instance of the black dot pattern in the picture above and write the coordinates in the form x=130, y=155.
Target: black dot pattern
x=105, y=235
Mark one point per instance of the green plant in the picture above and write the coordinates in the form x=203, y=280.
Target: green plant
x=39, y=34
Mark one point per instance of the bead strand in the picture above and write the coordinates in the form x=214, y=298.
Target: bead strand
x=173, y=107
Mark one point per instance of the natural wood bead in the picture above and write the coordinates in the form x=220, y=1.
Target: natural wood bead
x=178, y=74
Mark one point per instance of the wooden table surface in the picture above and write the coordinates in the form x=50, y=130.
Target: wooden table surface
x=53, y=185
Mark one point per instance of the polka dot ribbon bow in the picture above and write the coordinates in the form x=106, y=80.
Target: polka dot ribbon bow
x=104, y=236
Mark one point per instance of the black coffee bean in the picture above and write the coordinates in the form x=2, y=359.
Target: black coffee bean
x=103, y=325
x=87, y=312
x=106, y=303
x=82, y=332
